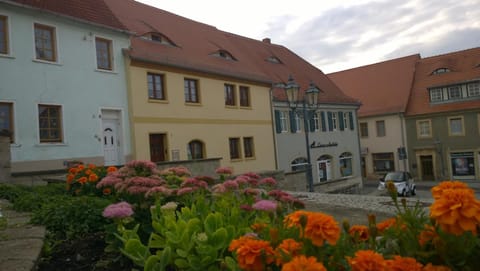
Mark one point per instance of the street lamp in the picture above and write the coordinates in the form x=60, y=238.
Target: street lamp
x=310, y=99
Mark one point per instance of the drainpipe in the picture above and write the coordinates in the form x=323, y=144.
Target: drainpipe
x=274, y=133
x=404, y=144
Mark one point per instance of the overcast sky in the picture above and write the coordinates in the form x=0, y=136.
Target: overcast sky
x=342, y=34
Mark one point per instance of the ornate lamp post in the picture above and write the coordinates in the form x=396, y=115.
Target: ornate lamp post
x=310, y=99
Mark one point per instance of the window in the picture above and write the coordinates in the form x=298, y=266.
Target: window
x=244, y=96
x=345, y=160
x=195, y=149
x=45, y=48
x=155, y=86
x=474, y=89
x=104, y=54
x=3, y=35
x=463, y=164
x=363, y=129
x=299, y=164
x=454, y=92
x=248, y=147
x=158, y=38
x=436, y=95
x=191, y=91
x=6, y=118
x=224, y=54
x=316, y=122
x=383, y=162
x=284, y=121
x=380, y=128
x=234, y=144
x=297, y=127
x=455, y=126
x=50, y=123
x=229, y=95
x=345, y=120
x=424, y=128
x=441, y=70
x=334, y=121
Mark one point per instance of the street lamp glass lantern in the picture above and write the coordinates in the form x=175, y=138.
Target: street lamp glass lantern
x=312, y=95
x=291, y=90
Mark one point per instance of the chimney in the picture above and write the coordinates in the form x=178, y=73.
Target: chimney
x=267, y=40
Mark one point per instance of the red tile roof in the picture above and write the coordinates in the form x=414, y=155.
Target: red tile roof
x=463, y=65
x=93, y=11
x=196, y=42
x=382, y=88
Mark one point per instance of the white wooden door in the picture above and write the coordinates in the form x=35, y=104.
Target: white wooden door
x=110, y=141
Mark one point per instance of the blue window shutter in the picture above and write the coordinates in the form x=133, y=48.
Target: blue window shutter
x=350, y=116
x=330, y=121
x=324, y=125
x=278, y=123
x=340, y=120
x=293, y=124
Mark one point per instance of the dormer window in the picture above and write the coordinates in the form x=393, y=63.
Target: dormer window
x=224, y=54
x=159, y=38
x=440, y=71
x=274, y=59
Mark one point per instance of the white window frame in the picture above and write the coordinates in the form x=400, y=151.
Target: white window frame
x=298, y=123
x=56, y=43
x=473, y=89
x=334, y=121
x=284, y=121
x=454, y=92
x=436, y=95
x=316, y=122
x=424, y=128
x=62, y=115
x=462, y=128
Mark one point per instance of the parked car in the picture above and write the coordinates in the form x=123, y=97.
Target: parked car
x=403, y=181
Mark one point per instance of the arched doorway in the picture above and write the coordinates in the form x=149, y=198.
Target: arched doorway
x=324, y=166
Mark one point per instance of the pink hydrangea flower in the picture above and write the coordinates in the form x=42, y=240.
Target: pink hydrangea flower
x=268, y=181
x=118, y=210
x=224, y=171
x=159, y=190
x=252, y=175
x=230, y=185
x=265, y=205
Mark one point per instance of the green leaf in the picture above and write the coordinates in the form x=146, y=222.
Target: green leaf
x=182, y=253
x=231, y=263
x=153, y=264
x=156, y=241
x=219, y=238
x=212, y=222
x=136, y=251
x=182, y=264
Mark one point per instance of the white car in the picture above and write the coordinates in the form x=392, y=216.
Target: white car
x=403, y=182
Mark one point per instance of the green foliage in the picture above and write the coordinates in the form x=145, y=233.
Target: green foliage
x=70, y=217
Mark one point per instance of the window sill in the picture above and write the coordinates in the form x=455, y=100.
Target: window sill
x=246, y=107
x=250, y=158
x=15, y=145
x=7, y=56
x=56, y=63
x=106, y=71
x=231, y=106
x=193, y=104
x=51, y=144
x=233, y=160
x=158, y=101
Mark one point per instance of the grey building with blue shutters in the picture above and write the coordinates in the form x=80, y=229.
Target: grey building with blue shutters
x=334, y=144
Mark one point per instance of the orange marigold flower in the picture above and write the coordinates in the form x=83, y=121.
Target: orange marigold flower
x=72, y=170
x=286, y=250
x=82, y=180
x=254, y=255
x=399, y=263
x=88, y=172
x=382, y=226
x=107, y=191
x=302, y=263
x=431, y=267
x=92, y=177
x=427, y=235
x=367, y=260
x=359, y=232
x=439, y=189
x=70, y=178
x=456, y=211
x=296, y=219
x=236, y=243
x=91, y=166
x=111, y=169
x=320, y=228
x=80, y=167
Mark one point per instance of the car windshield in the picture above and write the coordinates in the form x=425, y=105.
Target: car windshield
x=394, y=176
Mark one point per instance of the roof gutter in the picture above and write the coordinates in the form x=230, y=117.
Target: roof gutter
x=11, y=3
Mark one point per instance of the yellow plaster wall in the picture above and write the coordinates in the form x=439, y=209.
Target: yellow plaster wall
x=210, y=122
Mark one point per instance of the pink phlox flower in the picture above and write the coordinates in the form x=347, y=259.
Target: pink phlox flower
x=137, y=190
x=253, y=182
x=141, y=164
x=252, y=175
x=159, y=190
x=265, y=205
x=193, y=182
x=144, y=181
x=224, y=170
x=277, y=194
x=181, y=171
x=186, y=190
x=269, y=181
x=230, y=185
x=108, y=181
x=219, y=188
x=252, y=191
x=242, y=180
x=118, y=210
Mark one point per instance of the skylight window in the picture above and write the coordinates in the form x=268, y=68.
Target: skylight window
x=224, y=54
x=440, y=71
x=274, y=59
x=159, y=38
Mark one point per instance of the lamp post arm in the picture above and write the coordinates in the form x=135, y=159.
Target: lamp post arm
x=307, y=147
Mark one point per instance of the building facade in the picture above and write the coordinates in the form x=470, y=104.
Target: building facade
x=383, y=89
x=443, y=117
x=63, y=84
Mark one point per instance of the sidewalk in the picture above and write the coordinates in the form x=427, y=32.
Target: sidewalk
x=20, y=242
